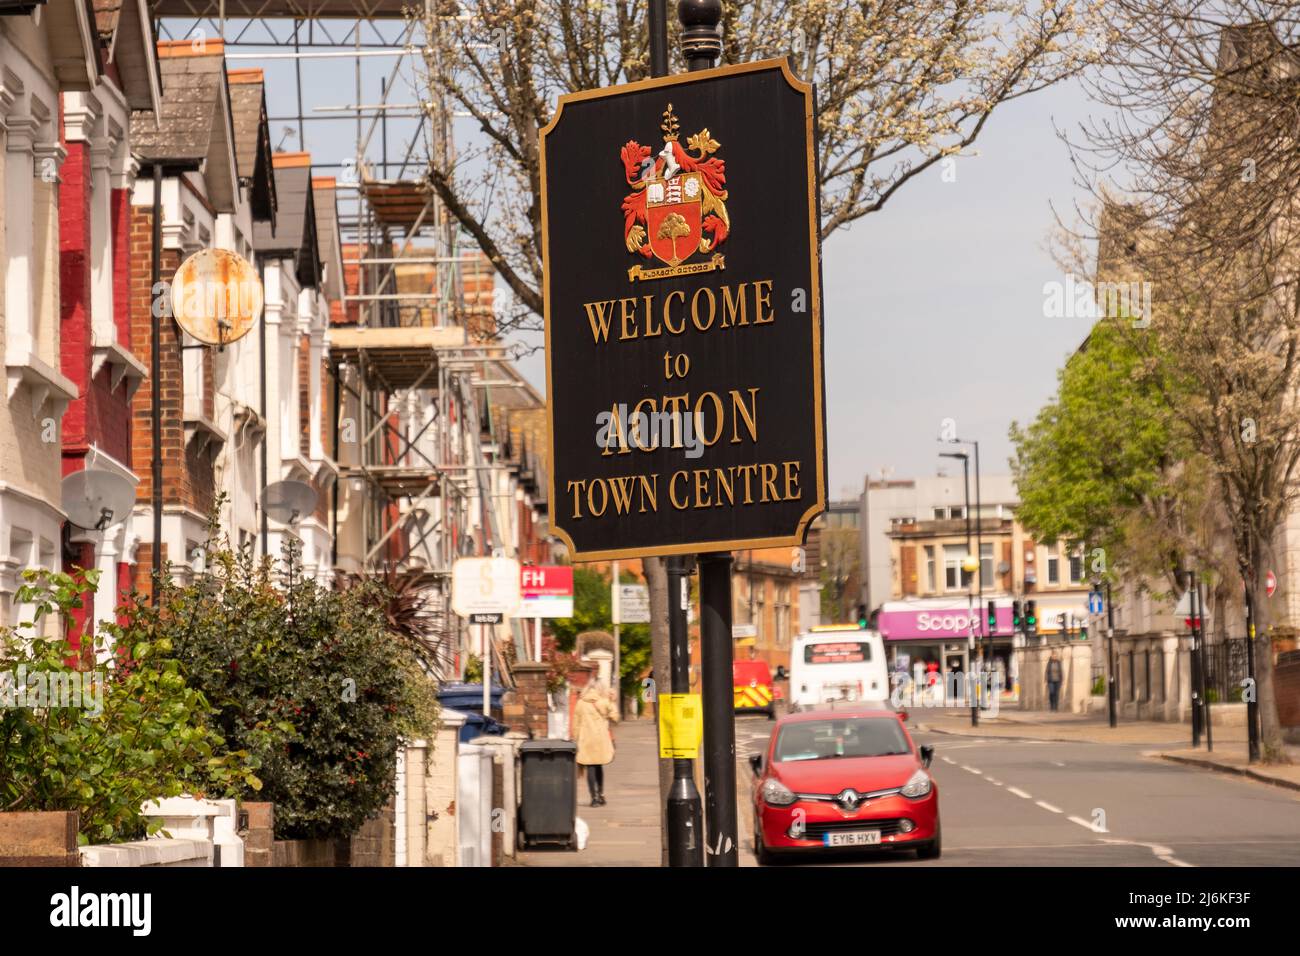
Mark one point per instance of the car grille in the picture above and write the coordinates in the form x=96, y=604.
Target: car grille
x=891, y=826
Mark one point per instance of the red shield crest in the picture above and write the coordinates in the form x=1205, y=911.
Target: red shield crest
x=677, y=208
x=673, y=216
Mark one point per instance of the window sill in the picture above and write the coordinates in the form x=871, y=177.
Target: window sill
x=47, y=384
x=122, y=365
x=203, y=430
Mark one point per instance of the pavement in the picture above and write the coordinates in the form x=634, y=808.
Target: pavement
x=624, y=832
x=1022, y=789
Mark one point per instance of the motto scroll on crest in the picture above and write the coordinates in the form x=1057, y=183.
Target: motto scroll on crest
x=677, y=207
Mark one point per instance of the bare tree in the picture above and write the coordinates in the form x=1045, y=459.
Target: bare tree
x=1197, y=170
x=901, y=84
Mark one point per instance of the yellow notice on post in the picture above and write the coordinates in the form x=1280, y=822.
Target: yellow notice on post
x=681, y=725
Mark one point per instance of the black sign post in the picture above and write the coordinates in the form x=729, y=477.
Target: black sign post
x=682, y=294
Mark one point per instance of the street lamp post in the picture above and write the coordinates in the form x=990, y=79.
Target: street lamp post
x=970, y=615
x=1111, y=688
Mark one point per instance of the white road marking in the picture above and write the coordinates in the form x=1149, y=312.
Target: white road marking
x=1163, y=853
x=1047, y=806
x=1057, y=763
x=1019, y=793
x=996, y=783
x=947, y=760
x=1087, y=824
x=971, y=770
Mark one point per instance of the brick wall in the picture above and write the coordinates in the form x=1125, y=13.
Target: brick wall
x=526, y=710
x=259, y=835
x=907, y=565
x=375, y=843
x=1286, y=685
x=187, y=471
x=301, y=853
x=99, y=415
x=74, y=286
x=39, y=839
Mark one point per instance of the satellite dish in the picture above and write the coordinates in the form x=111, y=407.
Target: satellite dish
x=95, y=499
x=288, y=501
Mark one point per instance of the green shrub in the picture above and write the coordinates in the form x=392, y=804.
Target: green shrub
x=137, y=731
x=308, y=679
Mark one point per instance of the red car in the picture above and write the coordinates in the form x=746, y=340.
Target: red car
x=849, y=779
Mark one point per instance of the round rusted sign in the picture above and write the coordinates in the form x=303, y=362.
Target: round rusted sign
x=216, y=296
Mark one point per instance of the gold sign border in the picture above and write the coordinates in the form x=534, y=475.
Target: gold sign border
x=739, y=544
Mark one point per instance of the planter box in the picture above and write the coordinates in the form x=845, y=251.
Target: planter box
x=39, y=839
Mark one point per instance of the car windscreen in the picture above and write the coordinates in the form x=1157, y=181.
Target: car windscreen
x=837, y=652
x=841, y=737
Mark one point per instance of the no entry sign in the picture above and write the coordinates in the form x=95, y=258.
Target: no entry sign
x=683, y=314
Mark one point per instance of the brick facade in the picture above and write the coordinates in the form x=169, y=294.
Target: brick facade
x=1286, y=686
x=186, y=467
x=527, y=709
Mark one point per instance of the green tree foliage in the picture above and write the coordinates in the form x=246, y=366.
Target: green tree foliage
x=593, y=611
x=136, y=731
x=1105, y=462
x=310, y=680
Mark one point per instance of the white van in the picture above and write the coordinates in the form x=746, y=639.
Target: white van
x=838, y=664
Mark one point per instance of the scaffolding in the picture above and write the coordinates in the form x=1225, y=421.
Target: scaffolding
x=404, y=356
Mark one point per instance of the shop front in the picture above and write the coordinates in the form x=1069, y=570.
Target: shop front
x=932, y=640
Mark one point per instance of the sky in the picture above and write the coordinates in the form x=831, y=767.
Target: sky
x=933, y=306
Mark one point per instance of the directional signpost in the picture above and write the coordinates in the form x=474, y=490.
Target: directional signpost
x=631, y=604
x=682, y=295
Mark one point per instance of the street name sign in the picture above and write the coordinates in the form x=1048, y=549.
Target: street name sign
x=680, y=236
x=484, y=586
x=546, y=590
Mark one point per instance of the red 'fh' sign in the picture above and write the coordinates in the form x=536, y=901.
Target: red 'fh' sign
x=546, y=580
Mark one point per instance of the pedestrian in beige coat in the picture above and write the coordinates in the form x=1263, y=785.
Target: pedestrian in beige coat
x=595, y=739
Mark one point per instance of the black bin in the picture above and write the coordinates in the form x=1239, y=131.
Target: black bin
x=548, y=803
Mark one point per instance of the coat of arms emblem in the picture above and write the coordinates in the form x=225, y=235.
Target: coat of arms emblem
x=677, y=207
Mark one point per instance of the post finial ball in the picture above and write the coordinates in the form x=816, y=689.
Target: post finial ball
x=701, y=32
x=699, y=13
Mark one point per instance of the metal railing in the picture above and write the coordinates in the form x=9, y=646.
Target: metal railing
x=1225, y=669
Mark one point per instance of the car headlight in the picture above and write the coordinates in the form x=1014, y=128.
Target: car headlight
x=918, y=785
x=777, y=794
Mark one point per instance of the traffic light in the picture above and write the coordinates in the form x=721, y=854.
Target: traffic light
x=1060, y=625
x=1031, y=618
x=862, y=616
x=1016, y=619
x=993, y=618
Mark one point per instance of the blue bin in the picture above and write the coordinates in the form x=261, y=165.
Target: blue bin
x=468, y=699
